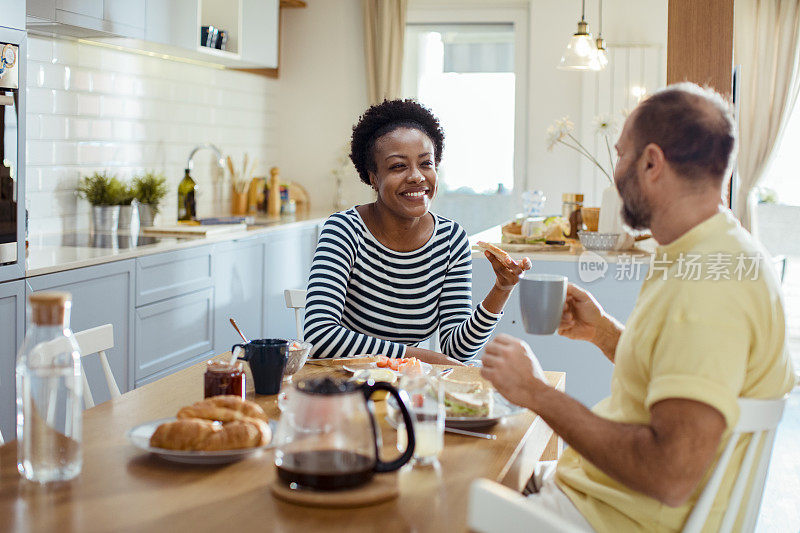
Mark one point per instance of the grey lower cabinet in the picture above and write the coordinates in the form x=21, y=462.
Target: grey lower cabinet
x=101, y=294
x=12, y=330
x=287, y=262
x=174, y=322
x=238, y=268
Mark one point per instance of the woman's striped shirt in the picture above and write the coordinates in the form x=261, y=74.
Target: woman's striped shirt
x=364, y=298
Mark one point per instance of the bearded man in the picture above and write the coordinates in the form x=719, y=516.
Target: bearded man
x=696, y=341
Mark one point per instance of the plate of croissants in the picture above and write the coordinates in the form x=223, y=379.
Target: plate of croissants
x=217, y=430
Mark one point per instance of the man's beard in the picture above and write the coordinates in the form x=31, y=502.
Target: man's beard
x=636, y=211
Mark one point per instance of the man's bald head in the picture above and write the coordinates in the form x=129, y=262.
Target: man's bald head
x=693, y=126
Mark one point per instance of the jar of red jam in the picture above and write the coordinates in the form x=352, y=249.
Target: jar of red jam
x=223, y=378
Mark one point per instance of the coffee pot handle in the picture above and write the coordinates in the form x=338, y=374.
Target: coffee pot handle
x=390, y=466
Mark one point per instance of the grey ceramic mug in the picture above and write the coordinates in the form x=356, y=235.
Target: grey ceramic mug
x=541, y=300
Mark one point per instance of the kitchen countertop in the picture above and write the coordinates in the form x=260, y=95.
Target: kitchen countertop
x=46, y=258
x=642, y=250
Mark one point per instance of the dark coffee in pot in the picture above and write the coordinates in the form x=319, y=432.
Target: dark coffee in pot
x=326, y=469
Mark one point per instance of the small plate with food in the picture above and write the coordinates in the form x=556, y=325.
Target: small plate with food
x=470, y=404
x=394, y=364
x=217, y=430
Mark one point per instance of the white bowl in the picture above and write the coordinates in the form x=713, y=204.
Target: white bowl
x=296, y=358
x=592, y=240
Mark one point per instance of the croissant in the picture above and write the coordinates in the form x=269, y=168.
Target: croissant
x=204, y=435
x=216, y=423
x=223, y=409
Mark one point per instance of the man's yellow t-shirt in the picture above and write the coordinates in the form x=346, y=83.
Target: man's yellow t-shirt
x=708, y=326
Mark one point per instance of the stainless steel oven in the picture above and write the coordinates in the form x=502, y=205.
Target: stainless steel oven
x=12, y=144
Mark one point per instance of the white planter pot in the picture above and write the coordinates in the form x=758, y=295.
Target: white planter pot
x=611, y=218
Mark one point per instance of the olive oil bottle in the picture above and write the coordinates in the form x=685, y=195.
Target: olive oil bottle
x=187, y=204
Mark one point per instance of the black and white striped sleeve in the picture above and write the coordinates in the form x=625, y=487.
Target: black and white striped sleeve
x=333, y=261
x=462, y=331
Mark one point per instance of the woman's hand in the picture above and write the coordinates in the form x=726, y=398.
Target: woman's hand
x=508, y=273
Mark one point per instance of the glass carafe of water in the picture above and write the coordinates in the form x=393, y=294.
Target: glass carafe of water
x=49, y=393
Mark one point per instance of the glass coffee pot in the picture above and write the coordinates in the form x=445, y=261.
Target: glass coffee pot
x=327, y=437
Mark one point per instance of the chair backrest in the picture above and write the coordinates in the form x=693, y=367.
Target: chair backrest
x=760, y=419
x=296, y=299
x=95, y=340
x=495, y=508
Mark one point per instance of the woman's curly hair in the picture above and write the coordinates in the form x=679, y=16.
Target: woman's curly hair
x=386, y=117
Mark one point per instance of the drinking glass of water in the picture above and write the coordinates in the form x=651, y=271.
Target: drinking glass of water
x=427, y=412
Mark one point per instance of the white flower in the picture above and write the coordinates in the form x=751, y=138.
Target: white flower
x=605, y=125
x=560, y=129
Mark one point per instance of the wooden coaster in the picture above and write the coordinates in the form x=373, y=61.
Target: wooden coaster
x=381, y=488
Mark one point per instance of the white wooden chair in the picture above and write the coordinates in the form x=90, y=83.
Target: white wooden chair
x=296, y=300
x=496, y=508
x=97, y=340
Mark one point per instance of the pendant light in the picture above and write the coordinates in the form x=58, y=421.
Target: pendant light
x=581, y=52
x=602, y=54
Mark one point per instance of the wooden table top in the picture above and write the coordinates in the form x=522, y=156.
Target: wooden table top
x=124, y=489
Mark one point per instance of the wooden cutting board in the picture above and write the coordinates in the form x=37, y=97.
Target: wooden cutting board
x=194, y=230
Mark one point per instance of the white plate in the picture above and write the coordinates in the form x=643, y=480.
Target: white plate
x=355, y=367
x=140, y=437
x=500, y=410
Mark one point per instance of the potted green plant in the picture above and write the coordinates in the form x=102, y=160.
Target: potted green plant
x=104, y=193
x=149, y=189
x=128, y=208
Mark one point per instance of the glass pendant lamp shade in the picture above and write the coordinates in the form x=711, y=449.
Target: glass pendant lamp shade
x=581, y=52
x=602, y=55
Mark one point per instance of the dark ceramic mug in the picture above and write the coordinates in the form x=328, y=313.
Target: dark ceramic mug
x=267, y=359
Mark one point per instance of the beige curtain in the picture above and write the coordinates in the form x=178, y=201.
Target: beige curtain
x=767, y=46
x=384, y=29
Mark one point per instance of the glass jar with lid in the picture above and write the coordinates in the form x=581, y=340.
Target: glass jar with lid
x=571, y=205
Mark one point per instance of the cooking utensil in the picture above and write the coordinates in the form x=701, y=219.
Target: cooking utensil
x=445, y=372
x=487, y=436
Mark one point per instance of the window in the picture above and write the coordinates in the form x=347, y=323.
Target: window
x=468, y=67
x=781, y=183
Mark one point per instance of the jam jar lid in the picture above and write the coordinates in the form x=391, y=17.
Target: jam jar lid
x=326, y=386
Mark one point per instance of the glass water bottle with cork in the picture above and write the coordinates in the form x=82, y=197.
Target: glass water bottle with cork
x=49, y=393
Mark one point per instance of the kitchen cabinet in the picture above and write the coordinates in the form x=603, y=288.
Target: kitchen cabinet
x=87, y=18
x=101, y=294
x=588, y=370
x=13, y=16
x=173, y=333
x=12, y=331
x=169, y=274
x=174, y=310
x=259, y=38
x=172, y=23
x=287, y=262
x=238, y=290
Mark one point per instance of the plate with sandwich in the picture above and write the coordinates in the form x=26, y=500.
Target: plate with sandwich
x=469, y=403
x=472, y=404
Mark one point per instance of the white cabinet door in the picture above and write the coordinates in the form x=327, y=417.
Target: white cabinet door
x=12, y=328
x=101, y=294
x=126, y=17
x=238, y=291
x=287, y=262
x=259, y=39
x=89, y=8
x=172, y=22
x=13, y=14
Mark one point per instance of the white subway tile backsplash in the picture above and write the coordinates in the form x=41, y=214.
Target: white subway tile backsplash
x=94, y=109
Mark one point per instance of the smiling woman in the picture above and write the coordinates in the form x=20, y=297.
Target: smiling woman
x=388, y=274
